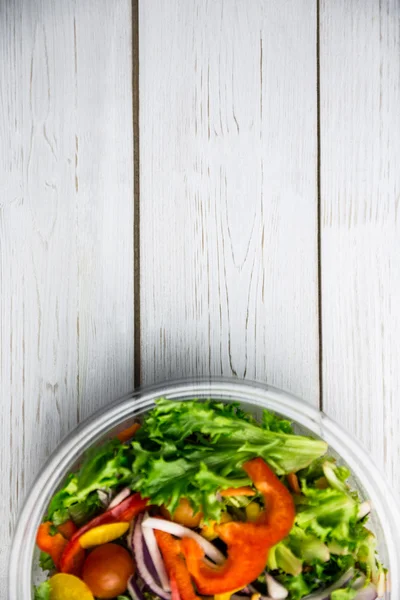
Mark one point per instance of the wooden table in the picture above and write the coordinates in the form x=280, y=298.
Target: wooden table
x=197, y=187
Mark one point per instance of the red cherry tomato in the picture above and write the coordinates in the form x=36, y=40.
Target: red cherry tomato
x=107, y=570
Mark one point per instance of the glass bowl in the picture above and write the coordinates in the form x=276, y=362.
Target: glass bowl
x=367, y=479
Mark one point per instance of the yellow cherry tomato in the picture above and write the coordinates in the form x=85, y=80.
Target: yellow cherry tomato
x=253, y=511
x=69, y=587
x=208, y=530
x=184, y=514
x=103, y=534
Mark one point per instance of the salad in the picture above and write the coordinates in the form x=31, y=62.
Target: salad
x=200, y=500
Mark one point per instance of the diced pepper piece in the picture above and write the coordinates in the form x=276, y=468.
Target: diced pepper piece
x=248, y=543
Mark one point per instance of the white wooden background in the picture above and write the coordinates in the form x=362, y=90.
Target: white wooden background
x=259, y=236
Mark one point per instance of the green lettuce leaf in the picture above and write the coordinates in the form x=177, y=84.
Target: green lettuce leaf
x=184, y=449
x=367, y=557
x=46, y=562
x=328, y=537
x=347, y=594
x=319, y=575
x=308, y=546
x=283, y=558
x=297, y=587
x=272, y=422
x=216, y=424
x=81, y=512
x=106, y=466
x=178, y=437
x=42, y=591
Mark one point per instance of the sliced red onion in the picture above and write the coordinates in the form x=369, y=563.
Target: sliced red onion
x=246, y=591
x=131, y=530
x=155, y=555
x=326, y=593
x=180, y=531
x=144, y=563
x=381, y=587
x=134, y=589
x=104, y=497
x=275, y=589
x=359, y=582
x=120, y=497
x=367, y=593
x=363, y=510
x=148, y=561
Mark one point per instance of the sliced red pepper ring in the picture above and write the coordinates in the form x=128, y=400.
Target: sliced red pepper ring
x=176, y=568
x=73, y=556
x=248, y=543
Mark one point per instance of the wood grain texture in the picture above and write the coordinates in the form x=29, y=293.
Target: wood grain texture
x=228, y=191
x=66, y=221
x=360, y=116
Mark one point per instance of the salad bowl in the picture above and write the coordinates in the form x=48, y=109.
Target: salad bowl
x=365, y=478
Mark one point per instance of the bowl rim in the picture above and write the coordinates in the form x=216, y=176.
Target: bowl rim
x=255, y=393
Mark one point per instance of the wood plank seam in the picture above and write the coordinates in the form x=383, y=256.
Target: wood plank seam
x=319, y=208
x=136, y=190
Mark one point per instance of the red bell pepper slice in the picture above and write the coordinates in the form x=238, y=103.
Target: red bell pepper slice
x=181, y=584
x=175, y=595
x=55, y=544
x=127, y=434
x=67, y=529
x=240, y=491
x=73, y=556
x=280, y=514
x=293, y=482
x=248, y=543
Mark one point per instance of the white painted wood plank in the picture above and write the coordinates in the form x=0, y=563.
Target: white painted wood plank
x=228, y=191
x=360, y=126
x=66, y=223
